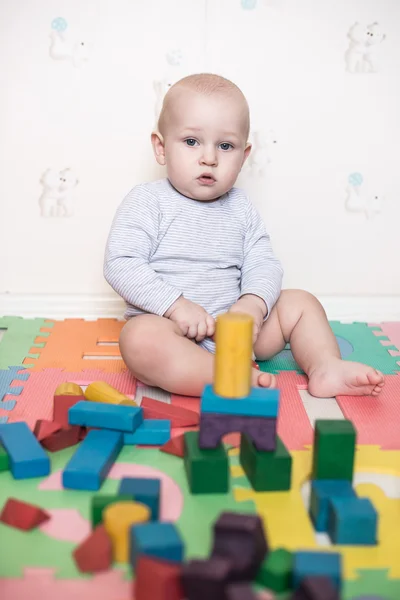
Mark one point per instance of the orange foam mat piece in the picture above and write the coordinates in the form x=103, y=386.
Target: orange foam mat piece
x=72, y=340
x=36, y=400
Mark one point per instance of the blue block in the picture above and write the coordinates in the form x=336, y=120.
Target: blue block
x=152, y=432
x=328, y=564
x=146, y=491
x=92, y=461
x=352, y=521
x=105, y=416
x=321, y=492
x=27, y=457
x=261, y=402
x=160, y=540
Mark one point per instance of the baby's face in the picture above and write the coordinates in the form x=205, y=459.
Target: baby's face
x=205, y=143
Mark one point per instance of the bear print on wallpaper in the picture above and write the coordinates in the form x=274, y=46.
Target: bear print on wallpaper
x=358, y=200
x=64, y=48
x=361, y=55
x=262, y=152
x=56, y=198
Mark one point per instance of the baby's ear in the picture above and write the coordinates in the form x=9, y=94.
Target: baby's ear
x=247, y=151
x=157, y=141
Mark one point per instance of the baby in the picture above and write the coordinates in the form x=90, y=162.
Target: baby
x=186, y=248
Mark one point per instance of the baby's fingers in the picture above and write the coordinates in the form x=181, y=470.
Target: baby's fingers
x=210, y=326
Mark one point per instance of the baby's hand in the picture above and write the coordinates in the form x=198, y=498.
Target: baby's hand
x=192, y=319
x=254, y=306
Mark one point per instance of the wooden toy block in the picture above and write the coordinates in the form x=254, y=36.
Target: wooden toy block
x=27, y=457
x=334, y=449
x=44, y=428
x=118, y=518
x=233, y=354
x=146, y=491
x=316, y=588
x=179, y=417
x=92, y=461
x=160, y=540
x=207, y=470
x=100, y=502
x=175, y=446
x=22, y=515
x=95, y=552
x=266, y=471
x=101, y=391
x=276, y=570
x=206, y=579
x=157, y=579
x=4, y=461
x=262, y=430
x=321, y=492
x=353, y=521
x=261, y=402
x=153, y=432
x=311, y=564
x=64, y=438
x=61, y=406
x=241, y=539
x=240, y=591
x=68, y=389
x=106, y=416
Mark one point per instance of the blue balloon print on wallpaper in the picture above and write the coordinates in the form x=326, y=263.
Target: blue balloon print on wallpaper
x=355, y=179
x=249, y=4
x=59, y=24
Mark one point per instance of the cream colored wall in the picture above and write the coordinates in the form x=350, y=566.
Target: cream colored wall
x=94, y=116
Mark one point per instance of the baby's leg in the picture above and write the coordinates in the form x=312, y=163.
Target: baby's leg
x=300, y=319
x=158, y=354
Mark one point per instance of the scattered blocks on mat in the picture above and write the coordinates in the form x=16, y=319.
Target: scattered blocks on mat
x=240, y=591
x=179, y=417
x=118, y=519
x=68, y=388
x=266, y=471
x=160, y=540
x=22, y=515
x=4, y=460
x=62, y=404
x=207, y=578
x=310, y=564
x=101, y=391
x=261, y=402
x=92, y=461
x=157, y=579
x=352, y=521
x=276, y=570
x=321, y=493
x=261, y=430
x=44, y=428
x=334, y=449
x=207, y=470
x=316, y=588
x=175, y=446
x=106, y=416
x=146, y=491
x=95, y=552
x=152, y=432
x=64, y=438
x=241, y=539
x=100, y=502
x=27, y=457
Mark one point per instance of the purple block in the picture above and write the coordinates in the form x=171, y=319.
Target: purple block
x=316, y=588
x=261, y=430
x=240, y=591
x=206, y=579
x=241, y=539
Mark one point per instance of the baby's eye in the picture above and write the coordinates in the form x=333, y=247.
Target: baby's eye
x=191, y=142
x=225, y=146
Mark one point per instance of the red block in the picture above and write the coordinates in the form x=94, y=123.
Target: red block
x=22, y=515
x=44, y=429
x=157, y=580
x=61, y=406
x=95, y=552
x=175, y=446
x=62, y=439
x=179, y=417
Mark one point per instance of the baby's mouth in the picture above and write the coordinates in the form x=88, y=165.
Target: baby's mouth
x=206, y=179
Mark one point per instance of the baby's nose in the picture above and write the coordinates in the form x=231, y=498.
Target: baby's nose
x=209, y=156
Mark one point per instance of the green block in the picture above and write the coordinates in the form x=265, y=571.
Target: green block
x=4, y=462
x=334, y=450
x=266, y=471
x=100, y=502
x=276, y=571
x=207, y=470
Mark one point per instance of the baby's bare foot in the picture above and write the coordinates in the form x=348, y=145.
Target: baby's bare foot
x=260, y=379
x=339, y=377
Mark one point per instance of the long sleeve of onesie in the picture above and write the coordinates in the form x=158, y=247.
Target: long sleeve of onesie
x=130, y=245
x=261, y=272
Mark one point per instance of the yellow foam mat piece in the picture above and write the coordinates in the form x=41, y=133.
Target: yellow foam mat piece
x=288, y=524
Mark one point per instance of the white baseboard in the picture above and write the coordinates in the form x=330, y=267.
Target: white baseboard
x=69, y=306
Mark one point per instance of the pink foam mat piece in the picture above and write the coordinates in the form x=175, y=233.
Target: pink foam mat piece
x=391, y=331
x=41, y=584
x=36, y=400
x=376, y=419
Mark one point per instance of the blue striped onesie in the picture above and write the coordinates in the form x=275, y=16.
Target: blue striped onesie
x=162, y=245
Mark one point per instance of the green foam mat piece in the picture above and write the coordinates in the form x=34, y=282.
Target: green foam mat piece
x=374, y=582
x=357, y=343
x=18, y=338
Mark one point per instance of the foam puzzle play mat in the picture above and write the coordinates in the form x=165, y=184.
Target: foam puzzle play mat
x=113, y=490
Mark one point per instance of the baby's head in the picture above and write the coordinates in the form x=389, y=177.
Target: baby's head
x=202, y=135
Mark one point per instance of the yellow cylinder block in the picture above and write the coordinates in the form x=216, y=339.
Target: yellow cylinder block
x=118, y=518
x=233, y=353
x=68, y=389
x=100, y=391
